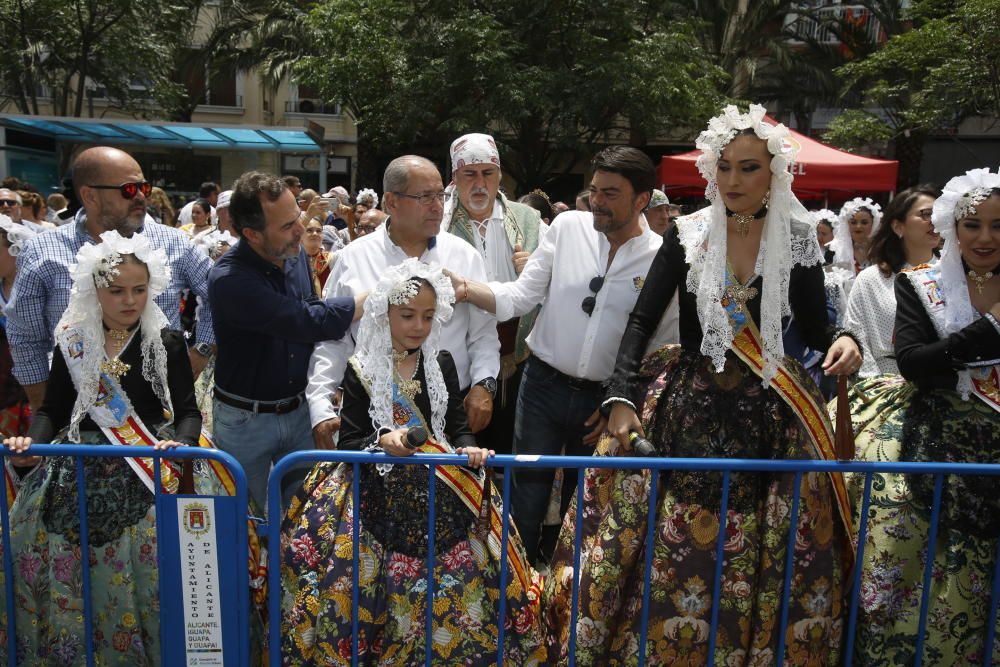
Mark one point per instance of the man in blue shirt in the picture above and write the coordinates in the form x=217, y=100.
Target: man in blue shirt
x=266, y=322
x=112, y=191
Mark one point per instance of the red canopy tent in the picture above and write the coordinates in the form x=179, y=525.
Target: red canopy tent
x=821, y=172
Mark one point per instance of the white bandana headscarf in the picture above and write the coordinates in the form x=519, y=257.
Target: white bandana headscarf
x=96, y=265
x=474, y=149
x=704, y=238
x=842, y=245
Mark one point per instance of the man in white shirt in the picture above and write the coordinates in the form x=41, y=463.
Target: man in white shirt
x=414, y=198
x=505, y=233
x=589, y=270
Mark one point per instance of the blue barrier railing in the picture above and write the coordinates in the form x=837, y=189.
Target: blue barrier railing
x=170, y=624
x=726, y=467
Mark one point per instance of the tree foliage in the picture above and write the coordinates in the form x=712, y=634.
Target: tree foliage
x=925, y=79
x=66, y=48
x=548, y=78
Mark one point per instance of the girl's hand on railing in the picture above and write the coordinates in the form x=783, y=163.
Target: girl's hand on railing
x=394, y=443
x=18, y=444
x=477, y=455
x=168, y=444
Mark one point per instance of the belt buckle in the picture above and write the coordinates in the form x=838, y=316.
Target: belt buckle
x=286, y=406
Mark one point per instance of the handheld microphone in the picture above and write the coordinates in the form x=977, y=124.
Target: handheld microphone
x=415, y=437
x=640, y=445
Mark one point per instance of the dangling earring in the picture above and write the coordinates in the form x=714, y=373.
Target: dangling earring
x=766, y=200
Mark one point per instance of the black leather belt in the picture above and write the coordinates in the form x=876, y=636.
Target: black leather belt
x=269, y=407
x=578, y=384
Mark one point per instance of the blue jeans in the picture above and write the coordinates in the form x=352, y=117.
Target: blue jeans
x=258, y=440
x=549, y=420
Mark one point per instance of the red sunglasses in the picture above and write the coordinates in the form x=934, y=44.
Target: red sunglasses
x=128, y=190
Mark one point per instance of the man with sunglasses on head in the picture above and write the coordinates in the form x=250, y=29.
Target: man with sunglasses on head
x=414, y=199
x=112, y=191
x=505, y=233
x=588, y=271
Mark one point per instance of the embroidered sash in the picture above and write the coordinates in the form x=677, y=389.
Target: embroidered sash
x=926, y=282
x=748, y=348
x=462, y=482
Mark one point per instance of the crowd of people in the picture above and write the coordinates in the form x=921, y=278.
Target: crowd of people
x=268, y=319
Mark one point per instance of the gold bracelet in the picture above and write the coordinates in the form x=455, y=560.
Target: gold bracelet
x=465, y=283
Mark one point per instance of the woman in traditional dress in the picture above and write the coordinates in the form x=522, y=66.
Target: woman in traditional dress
x=858, y=221
x=115, y=360
x=15, y=413
x=727, y=391
x=947, y=343
x=197, y=219
x=398, y=379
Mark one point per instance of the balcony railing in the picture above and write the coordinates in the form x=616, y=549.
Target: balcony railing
x=312, y=107
x=825, y=24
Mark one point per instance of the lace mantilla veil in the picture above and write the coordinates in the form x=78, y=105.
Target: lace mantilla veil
x=374, y=349
x=959, y=199
x=703, y=236
x=17, y=235
x=842, y=245
x=96, y=266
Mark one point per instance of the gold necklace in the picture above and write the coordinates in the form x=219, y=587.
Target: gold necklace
x=407, y=387
x=115, y=366
x=743, y=220
x=980, y=280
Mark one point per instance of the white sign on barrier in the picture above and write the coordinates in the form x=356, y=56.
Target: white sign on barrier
x=200, y=577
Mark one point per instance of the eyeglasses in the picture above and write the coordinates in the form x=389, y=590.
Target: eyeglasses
x=925, y=214
x=596, y=283
x=366, y=229
x=128, y=190
x=11, y=203
x=427, y=198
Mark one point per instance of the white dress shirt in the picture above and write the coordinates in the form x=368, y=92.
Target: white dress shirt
x=559, y=273
x=470, y=336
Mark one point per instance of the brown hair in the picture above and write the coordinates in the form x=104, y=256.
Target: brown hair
x=886, y=249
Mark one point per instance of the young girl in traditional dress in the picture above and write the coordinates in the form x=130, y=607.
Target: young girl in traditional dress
x=399, y=379
x=15, y=413
x=728, y=391
x=115, y=360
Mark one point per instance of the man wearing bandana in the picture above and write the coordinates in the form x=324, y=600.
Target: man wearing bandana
x=505, y=233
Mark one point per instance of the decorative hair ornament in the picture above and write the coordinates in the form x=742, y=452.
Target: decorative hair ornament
x=970, y=201
x=541, y=193
x=374, y=353
x=368, y=197
x=404, y=292
x=17, y=234
x=851, y=208
x=704, y=237
x=82, y=322
x=825, y=214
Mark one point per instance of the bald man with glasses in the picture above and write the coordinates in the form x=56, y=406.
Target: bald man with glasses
x=112, y=190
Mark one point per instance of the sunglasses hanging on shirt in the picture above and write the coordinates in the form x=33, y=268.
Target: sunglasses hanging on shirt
x=596, y=283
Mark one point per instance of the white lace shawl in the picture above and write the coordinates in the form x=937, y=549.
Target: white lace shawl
x=842, y=245
x=949, y=208
x=703, y=235
x=17, y=234
x=373, y=354
x=83, y=315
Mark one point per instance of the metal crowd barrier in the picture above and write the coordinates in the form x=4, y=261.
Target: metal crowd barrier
x=230, y=517
x=725, y=466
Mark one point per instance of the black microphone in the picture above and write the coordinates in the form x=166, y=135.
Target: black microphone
x=640, y=445
x=415, y=437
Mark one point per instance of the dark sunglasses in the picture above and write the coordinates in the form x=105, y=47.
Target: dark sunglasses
x=9, y=202
x=596, y=283
x=128, y=190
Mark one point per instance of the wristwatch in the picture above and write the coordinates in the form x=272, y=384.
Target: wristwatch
x=489, y=384
x=204, y=349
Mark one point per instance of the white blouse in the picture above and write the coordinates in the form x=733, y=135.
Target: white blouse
x=871, y=315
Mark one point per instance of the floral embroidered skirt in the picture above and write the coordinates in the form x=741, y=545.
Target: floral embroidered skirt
x=691, y=411
x=317, y=577
x=895, y=422
x=124, y=578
